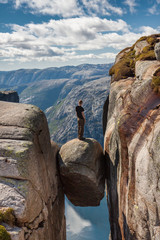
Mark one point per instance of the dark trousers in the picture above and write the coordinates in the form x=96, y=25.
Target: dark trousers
x=80, y=128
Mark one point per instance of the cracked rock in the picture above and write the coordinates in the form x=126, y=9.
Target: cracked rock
x=29, y=182
x=82, y=171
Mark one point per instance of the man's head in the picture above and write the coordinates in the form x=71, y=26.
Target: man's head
x=80, y=102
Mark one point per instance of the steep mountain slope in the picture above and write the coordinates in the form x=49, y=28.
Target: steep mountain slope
x=25, y=76
x=57, y=91
x=93, y=94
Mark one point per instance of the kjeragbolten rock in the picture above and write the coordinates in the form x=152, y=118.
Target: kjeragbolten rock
x=82, y=171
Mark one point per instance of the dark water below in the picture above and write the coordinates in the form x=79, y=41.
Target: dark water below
x=87, y=223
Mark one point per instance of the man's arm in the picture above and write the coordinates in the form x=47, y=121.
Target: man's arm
x=83, y=116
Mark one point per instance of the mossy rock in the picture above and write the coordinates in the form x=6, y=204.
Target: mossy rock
x=7, y=216
x=141, y=39
x=153, y=39
x=156, y=81
x=157, y=72
x=125, y=67
x=1, y=217
x=4, y=235
x=148, y=55
x=127, y=49
x=148, y=51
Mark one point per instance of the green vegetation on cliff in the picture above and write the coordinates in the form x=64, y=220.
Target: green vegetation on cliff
x=4, y=235
x=6, y=216
x=125, y=67
x=148, y=51
x=156, y=81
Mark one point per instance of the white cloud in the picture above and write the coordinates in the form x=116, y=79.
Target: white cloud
x=3, y=1
x=55, y=7
x=102, y=7
x=146, y=30
x=153, y=10
x=67, y=32
x=75, y=223
x=66, y=40
x=132, y=4
x=70, y=8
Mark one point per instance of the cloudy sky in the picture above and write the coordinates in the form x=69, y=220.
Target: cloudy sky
x=46, y=33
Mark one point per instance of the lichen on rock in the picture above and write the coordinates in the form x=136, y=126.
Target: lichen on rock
x=156, y=81
x=142, y=50
x=124, y=67
x=4, y=235
x=7, y=216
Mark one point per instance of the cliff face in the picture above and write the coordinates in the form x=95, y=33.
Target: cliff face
x=9, y=96
x=29, y=180
x=132, y=143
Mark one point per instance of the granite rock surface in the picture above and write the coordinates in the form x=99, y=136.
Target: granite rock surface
x=9, y=96
x=132, y=149
x=82, y=171
x=29, y=181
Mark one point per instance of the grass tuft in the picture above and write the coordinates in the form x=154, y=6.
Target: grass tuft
x=4, y=235
x=156, y=81
x=125, y=67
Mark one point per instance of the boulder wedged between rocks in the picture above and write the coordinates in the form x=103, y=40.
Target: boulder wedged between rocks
x=82, y=171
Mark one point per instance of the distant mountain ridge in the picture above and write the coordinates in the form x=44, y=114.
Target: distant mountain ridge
x=57, y=90
x=24, y=76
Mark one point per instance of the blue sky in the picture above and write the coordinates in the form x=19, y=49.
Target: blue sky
x=51, y=33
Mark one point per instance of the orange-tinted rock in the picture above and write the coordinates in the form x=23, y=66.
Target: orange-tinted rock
x=132, y=150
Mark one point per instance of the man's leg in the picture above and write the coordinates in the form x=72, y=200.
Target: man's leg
x=80, y=128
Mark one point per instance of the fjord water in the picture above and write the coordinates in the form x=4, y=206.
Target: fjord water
x=87, y=223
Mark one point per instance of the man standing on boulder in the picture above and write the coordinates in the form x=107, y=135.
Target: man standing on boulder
x=81, y=120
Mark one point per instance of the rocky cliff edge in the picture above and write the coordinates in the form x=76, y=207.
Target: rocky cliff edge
x=29, y=181
x=132, y=143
